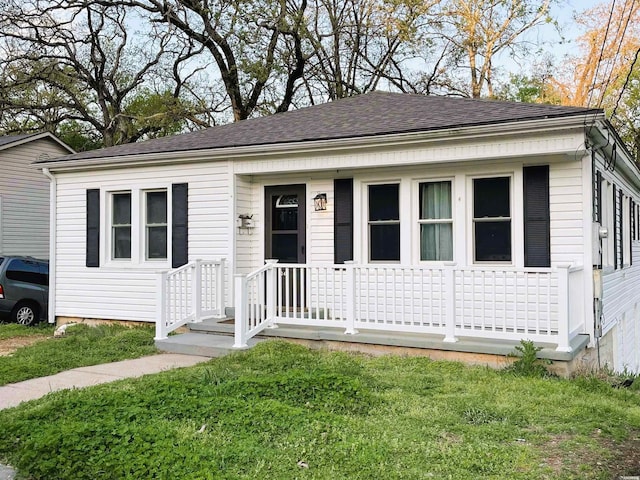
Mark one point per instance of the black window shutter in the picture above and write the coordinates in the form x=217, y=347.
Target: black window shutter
x=632, y=229
x=598, y=197
x=179, y=225
x=93, y=228
x=537, y=234
x=621, y=226
x=615, y=227
x=343, y=220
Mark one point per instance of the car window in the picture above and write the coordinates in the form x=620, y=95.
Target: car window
x=26, y=271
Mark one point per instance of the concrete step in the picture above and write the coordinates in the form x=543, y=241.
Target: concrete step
x=197, y=344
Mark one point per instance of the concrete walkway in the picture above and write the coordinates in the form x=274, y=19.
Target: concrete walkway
x=13, y=394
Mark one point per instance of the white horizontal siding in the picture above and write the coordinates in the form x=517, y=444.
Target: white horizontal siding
x=217, y=196
x=566, y=213
x=129, y=292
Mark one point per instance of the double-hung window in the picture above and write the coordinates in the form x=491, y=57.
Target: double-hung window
x=492, y=219
x=121, y=225
x=156, y=225
x=436, y=222
x=384, y=223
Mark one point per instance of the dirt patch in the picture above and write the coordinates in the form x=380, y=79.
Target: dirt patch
x=613, y=458
x=10, y=345
x=626, y=458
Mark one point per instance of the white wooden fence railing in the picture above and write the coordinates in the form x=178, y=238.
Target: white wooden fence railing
x=190, y=293
x=483, y=302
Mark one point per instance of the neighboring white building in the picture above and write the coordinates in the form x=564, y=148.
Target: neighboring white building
x=24, y=193
x=468, y=222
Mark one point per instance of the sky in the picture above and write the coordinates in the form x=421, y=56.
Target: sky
x=549, y=38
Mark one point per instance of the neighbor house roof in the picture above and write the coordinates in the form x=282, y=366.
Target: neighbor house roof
x=372, y=114
x=6, y=140
x=9, y=141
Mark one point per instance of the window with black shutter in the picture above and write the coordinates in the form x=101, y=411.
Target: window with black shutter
x=343, y=220
x=537, y=249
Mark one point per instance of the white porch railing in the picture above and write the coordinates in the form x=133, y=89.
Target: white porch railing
x=484, y=302
x=190, y=293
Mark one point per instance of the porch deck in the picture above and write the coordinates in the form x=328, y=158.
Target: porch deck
x=214, y=337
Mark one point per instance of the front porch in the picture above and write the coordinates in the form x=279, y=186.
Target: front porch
x=214, y=337
x=480, y=310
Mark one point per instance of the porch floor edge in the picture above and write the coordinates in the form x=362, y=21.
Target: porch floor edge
x=400, y=339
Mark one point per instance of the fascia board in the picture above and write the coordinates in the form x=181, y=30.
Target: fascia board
x=391, y=140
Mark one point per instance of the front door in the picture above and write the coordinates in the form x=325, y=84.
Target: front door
x=285, y=241
x=285, y=223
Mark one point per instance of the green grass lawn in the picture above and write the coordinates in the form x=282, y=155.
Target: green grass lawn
x=81, y=346
x=280, y=411
x=10, y=330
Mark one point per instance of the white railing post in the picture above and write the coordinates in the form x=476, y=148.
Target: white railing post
x=220, y=277
x=450, y=302
x=271, y=276
x=563, y=308
x=196, y=290
x=161, y=306
x=241, y=301
x=350, y=278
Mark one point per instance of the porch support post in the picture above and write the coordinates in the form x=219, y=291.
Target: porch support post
x=240, y=340
x=450, y=305
x=564, y=318
x=350, y=297
x=271, y=276
x=196, y=290
x=220, y=277
x=161, y=306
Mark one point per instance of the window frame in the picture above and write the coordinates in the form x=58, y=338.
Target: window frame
x=369, y=222
x=112, y=226
x=146, y=225
x=439, y=221
x=510, y=219
x=138, y=227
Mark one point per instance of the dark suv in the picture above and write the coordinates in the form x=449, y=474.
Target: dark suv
x=24, y=289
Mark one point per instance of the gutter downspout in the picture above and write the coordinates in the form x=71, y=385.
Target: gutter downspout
x=53, y=191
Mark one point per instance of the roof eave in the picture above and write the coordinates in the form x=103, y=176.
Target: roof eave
x=38, y=136
x=213, y=154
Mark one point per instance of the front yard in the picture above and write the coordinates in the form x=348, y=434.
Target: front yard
x=30, y=352
x=282, y=411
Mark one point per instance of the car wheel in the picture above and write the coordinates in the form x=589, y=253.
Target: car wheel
x=25, y=314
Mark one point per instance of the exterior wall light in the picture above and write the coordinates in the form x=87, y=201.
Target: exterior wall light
x=320, y=202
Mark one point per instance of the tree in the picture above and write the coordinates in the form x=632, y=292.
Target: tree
x=70, y=62
x=255, y=45
x=357, y=44
x=477, y=31
x=606, y=72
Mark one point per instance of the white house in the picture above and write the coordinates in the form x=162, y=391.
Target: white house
x=454, y=224
x=24, y=193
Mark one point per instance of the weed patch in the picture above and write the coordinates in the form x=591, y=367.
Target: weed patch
x=528, y=364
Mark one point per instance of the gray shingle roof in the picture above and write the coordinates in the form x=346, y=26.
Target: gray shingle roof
x=14, y=138
x=375, y=113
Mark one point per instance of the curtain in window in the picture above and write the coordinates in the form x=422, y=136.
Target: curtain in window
x=436, y=239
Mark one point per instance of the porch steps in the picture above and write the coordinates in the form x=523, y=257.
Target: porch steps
x=384, y=339
x=213, y=345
